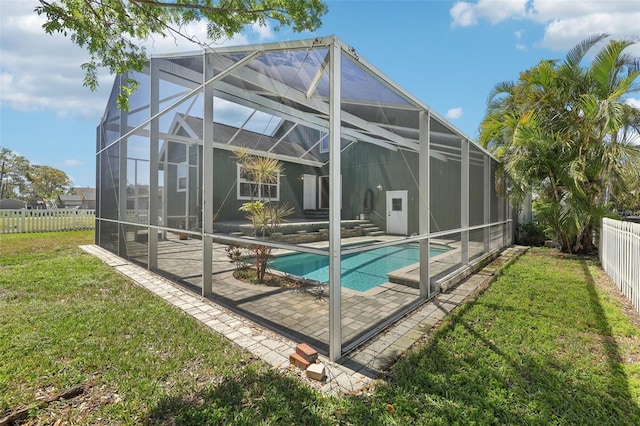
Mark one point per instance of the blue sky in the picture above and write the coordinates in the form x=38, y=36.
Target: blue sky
x=447, y=53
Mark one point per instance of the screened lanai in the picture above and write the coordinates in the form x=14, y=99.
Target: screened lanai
x=388, y=202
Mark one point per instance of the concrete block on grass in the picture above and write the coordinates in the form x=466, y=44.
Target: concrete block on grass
x=316, y=372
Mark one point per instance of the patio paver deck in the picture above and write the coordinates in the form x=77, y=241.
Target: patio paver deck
x=353, y=371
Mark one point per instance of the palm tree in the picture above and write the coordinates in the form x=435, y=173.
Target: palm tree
x=262, y=213
x=565, y=133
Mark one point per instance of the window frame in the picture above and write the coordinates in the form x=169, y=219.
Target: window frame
x=259, y=197
x=185, y=178
x=324, y=146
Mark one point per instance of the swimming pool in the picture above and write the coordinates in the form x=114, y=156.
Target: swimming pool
x=360, y=271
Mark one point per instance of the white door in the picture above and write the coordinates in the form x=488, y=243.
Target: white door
x=309, y=192
x=397, y=212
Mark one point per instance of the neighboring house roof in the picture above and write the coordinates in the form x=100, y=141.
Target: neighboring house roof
x=82, y=197
x=70, y=198
x=10, y=204
x=88, y=193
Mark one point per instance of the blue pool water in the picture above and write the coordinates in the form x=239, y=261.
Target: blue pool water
x=360, y=271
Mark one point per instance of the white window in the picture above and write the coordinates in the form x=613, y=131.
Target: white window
x=249, y=189
x=324, y=143
x=182, y=172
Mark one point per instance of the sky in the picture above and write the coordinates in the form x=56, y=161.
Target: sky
x=447, y=53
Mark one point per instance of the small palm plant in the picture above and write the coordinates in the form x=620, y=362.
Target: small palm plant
x=264, y=214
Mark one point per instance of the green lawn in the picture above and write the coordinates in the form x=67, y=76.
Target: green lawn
x=543, y=345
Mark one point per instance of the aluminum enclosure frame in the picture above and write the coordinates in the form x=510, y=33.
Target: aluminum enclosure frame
x=412, y=130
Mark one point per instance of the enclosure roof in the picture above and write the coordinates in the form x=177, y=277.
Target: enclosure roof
x=284, y=87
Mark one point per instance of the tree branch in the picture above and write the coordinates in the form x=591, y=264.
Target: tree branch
x=201, y=7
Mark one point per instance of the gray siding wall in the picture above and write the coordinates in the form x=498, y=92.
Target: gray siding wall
x=364, y=167
x=226, y=202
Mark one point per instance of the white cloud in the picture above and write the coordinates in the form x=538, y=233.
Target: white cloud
x=192, y=37
x=519, y=44
x=633, y=102
x=263, y=32
x=463, y=14
x=73, y=163
x=566, y=22
x=42, y=72
x=544, y=11
x=467, y=14
x=566, y=33
x=39, y=71
x=454, y=113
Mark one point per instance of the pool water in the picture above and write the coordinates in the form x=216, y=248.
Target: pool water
x=360, y=271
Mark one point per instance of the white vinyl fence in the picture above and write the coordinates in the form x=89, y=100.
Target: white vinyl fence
x=37, y=220
x=620, y=256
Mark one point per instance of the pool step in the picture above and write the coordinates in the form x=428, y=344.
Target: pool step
x=316, y=215
x=370, y=229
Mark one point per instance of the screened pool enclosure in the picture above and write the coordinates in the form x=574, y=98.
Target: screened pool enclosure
x=387, y=202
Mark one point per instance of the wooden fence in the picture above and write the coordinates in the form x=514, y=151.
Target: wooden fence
x=23, y=220
x=620, y=256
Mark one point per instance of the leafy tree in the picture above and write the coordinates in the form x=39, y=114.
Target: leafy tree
x=628, y=201
x=13, y=169
x=23, y=181
x=45, y=183
x=564, y=132
x=111, y=29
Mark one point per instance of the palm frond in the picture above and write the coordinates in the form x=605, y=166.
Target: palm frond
x=575, y=55
x=500, y=89
x=607, y=65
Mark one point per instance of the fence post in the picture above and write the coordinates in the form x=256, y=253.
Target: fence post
x=23, y=218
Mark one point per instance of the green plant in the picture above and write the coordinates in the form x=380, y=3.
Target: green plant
x=531, y=234
x=236, y=256
x=110, y=30
x=566, y=133
x=264, y=215
x=258, y=254
x=261, y=256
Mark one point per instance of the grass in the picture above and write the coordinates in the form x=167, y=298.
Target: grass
x=545, y=344
x=539, y=347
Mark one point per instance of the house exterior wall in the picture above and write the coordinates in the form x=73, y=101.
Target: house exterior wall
x=225, y=175
x=365, y=167
x=225, y=199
